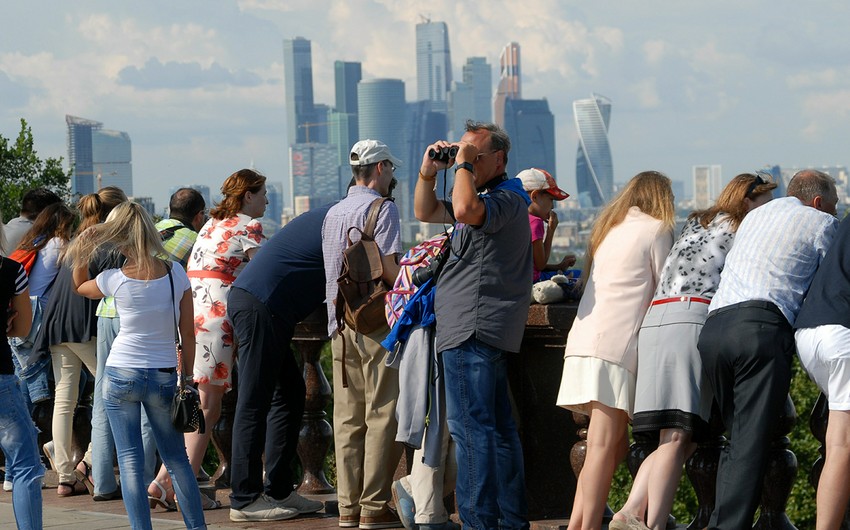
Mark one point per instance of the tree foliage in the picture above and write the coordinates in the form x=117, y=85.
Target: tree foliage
x=22, y=170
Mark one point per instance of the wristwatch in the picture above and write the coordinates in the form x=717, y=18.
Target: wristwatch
x=465, y=165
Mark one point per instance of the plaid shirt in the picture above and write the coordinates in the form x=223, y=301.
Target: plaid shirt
x=179, y=245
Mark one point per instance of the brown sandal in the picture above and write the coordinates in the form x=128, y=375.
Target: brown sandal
x=85, y=476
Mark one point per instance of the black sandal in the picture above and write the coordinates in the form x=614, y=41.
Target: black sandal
x=77, y=488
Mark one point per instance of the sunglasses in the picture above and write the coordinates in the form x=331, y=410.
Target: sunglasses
x=759, y=181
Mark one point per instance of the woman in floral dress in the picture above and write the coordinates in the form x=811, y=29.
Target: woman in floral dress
x=225, y=244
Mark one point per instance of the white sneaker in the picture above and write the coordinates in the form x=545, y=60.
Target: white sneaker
x=263, y=509
x=297, y=502
x=7, y=485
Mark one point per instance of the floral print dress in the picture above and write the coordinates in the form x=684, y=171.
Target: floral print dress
x=219, y=255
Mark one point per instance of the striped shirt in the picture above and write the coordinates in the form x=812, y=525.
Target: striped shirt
x=349, y=212
x=179, y=245
x=777, y=250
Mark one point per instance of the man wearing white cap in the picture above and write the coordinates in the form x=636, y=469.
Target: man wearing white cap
x=365, y=390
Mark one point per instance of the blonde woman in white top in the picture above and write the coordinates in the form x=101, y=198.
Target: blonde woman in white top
x=628, y=245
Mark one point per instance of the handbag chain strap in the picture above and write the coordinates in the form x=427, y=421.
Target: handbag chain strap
x=180, y=382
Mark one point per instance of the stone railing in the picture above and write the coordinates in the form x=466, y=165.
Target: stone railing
x=553, y=439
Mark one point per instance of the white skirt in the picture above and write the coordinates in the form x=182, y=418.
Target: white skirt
x=587, y=379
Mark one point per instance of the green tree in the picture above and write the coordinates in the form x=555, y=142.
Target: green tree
x=22, y=170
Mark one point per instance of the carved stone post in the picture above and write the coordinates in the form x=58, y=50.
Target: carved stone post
x=701, y=468
x=316, y=434
x=579, y=452
x=222, y=432
x=779, y=475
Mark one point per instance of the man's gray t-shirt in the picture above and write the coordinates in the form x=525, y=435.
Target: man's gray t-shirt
x=484, y=289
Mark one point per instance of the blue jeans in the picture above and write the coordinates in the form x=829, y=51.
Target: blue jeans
x=125, y=392
x=490, y=477
x=23, y=463
x=102, y=443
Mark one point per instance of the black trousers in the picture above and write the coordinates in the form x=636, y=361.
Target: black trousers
x=746, y=351
x=270, y=404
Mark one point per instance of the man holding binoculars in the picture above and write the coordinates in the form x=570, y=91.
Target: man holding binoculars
x=482, y=300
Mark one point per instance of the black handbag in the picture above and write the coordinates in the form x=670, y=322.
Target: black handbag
x=186, y=413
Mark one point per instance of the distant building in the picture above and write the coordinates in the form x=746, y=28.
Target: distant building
x=274, y=209
x=707, y=185
x=381, y=107
x=314, y=178
x=471, y=99
x=298, y=83
x=781, y=185
x=423, y=127
x=346, y=77
x=99, y=157
x=146, y=203
x=531, y=127
x=478, y=75
x=433, y=64
x=509, y=81
x=343, y=121
x=594, y=165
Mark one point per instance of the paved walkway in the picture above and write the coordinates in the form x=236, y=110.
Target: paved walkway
x=81, y=512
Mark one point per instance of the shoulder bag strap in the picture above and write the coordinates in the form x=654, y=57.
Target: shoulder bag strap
x=180, y=382
x=372, y=217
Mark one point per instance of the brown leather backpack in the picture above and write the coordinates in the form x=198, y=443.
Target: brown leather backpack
x=361, y=291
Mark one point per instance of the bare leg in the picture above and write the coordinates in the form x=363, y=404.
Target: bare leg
x=674, y=448
x=606, y=447
x=576, y=514
x=196, y=443
x=834, y=488
x=636, y=503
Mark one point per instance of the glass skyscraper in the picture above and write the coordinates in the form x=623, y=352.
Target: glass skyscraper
x=531, y=127
x=433, y=64
x=314, y=177
x=381, y=116
x=594, y=167
x=343, y=120
x=478, y=75
x=298, y=82
x=99, y=157
x=509, y=81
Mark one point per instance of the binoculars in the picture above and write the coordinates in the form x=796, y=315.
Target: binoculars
x=443, y=154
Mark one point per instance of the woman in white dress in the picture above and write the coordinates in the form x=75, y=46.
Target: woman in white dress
x=628, y=244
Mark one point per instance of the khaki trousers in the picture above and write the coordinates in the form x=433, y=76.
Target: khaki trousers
x=364, y=423
x=68, y=359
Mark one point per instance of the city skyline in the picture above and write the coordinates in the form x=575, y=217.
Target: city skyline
x=199, y=88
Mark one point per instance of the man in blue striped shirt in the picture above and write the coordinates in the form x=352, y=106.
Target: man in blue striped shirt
x=747, y=342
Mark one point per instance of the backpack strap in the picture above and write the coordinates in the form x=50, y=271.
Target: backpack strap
x=372, y=217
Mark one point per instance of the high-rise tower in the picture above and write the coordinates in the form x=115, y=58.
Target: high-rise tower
x=298, y=81
x=594, y=167
x=509, y=81
x=99, y=157
x=531, y=127
x=433, y=64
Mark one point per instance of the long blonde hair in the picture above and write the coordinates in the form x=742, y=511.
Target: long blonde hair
x=129, y=230
x=650, y=191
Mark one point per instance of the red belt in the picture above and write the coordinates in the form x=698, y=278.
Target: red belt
x=681, y=299
x=212, y=274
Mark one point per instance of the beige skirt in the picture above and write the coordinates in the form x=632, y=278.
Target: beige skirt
x=587, y=379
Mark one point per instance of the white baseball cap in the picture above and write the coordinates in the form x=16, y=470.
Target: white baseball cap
x=367, y=152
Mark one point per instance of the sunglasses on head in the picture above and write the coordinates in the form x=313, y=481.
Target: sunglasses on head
x=759, y=181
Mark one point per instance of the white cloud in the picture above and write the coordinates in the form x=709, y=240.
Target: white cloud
x=654, y=51
x=826, y=78
x=647, y=93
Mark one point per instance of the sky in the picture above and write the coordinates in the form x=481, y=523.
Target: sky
x=198, y=84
